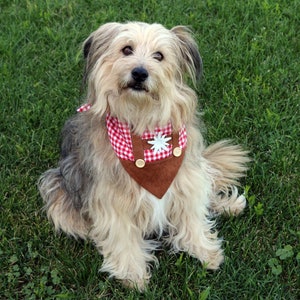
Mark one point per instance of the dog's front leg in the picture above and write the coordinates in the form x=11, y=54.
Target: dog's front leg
x=193, y=234
x=191, y=229
x=125, y=252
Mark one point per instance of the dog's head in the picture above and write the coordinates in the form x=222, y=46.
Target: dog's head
x=138, y=71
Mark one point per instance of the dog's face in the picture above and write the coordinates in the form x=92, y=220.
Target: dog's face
x=137, y=71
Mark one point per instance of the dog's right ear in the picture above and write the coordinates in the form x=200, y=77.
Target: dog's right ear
x=86, y=50
x=87, y=46
x=97, y=44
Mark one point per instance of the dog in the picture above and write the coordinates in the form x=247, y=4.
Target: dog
x=133, y=162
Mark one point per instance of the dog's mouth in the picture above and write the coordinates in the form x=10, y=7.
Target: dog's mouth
x=137, y=86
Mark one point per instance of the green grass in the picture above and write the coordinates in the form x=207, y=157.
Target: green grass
x=249, y=92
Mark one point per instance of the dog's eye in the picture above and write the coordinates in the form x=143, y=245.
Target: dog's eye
x=127, y=50
x=158, y=56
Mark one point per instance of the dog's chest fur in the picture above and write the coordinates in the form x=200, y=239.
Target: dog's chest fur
x=159, y=215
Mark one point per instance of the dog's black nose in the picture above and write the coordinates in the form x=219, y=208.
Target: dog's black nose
x=139, y=74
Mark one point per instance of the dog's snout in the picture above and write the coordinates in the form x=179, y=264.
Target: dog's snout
x=139, y=74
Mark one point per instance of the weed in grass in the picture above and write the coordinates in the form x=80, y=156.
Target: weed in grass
x=253, y=204
x=285, y=255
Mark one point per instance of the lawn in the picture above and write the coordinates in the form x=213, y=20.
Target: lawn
x=249, y=92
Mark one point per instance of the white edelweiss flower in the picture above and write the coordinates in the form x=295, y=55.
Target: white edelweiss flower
x=159, y=143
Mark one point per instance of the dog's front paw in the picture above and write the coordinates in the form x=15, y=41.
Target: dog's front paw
x=139, y=284
x=129, y=273
x=130, y=267
x=213, y=260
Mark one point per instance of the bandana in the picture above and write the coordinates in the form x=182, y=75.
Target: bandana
x=120, y=138
x=84, y=107
x=152, y=159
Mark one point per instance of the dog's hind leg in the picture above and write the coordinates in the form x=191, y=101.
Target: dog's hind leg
x=227, y=163
x=60, y=207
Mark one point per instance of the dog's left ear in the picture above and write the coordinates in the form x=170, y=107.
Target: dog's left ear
x=192, y=62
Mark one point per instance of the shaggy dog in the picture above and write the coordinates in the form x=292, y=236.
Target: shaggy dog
x=133, y=161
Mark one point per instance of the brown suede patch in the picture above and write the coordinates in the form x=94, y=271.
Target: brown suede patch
x=156, y=177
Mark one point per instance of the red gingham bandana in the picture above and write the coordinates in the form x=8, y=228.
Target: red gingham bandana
x=84, y=107
x=120, y=139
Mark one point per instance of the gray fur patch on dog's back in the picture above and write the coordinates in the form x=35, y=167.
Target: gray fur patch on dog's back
x=75, y=181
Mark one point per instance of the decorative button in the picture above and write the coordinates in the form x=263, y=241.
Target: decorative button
x=140, y=163
x=177, y=151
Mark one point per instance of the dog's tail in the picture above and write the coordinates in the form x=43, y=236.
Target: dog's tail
x=228, y=163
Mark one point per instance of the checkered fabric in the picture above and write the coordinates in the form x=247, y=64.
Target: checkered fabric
x=120, y=138
x=84, y=107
